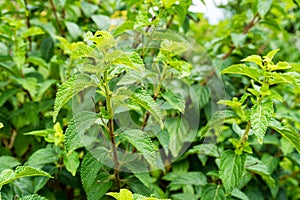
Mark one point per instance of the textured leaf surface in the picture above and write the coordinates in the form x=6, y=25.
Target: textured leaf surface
x=255, y=59
x=70, y=88
x=143, y=99
x=9, y=175
x=80, y=123
x=288, y=132
x=263, y=7
x=258, y=167
x=231, y=169
x=90, y=167
x=213, y=192
x=142, y=142
x=32, y=197
x=260, y=119
x=242, y=69
x=124, y=194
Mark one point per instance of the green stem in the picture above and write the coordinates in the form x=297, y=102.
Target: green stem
x=111, y=129
x=246, y=133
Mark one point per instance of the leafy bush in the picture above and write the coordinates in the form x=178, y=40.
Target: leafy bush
x=101, y=98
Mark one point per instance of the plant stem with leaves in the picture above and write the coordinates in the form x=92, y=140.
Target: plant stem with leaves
x=111, y=128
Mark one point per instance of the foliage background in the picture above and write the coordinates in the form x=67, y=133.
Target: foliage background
x=34, y=62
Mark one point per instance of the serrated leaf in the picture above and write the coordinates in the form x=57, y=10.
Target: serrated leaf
x=258, y=167
x=98, y=189
x=90, y=167
x=288, y=132
x=142, y=142
x=281, y=66
x=255, y=59
x=32, y=31
x=231, y=169
x=33, y=197
x=25, y=171
x=70, y=88
x=82, y=50
x=260, y=119
x=80, y=123
x=143, y=99
x=124, y=194
x=213, y=192
x=174, y=100
x=104, y=40
x=9, y=175
x=242, y=69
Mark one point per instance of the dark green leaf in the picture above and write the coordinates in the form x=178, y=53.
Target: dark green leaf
x=231, y=169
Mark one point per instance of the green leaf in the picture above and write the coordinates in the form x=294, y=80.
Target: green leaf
x=256, y=59
x=82, y=50
x=1, y=125
x=37, y=61
x=33, y=197
x=73, y=29
x=98, y=189
x=213, y=192
x=263, y=6
x=190, y=178
x=239, y=194
x=71, y=162
x=288, y=132
x=8, y=162
x=143, y=99
x=242, y=69
x=102, y=21
x=42, y=156
x=9, y=175
x=256, y=166
x=70, y=88
x=281, y=66
x=142, y=142
x=124, y=194
x=260, y=119
x=90, y=167
x=32, y=31
x=269, y=57
x=174, y=100
x=4, y=96
x=231, y=169
x=80, y=123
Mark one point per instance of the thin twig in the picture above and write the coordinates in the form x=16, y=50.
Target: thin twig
x=56, y=18
x=246, y=30
x=27, y=14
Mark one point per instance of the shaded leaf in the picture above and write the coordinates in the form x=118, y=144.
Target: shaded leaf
x=143, y=99
x=288, y=132
x=70, y=88
x=214, y=192
x=231, y=169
